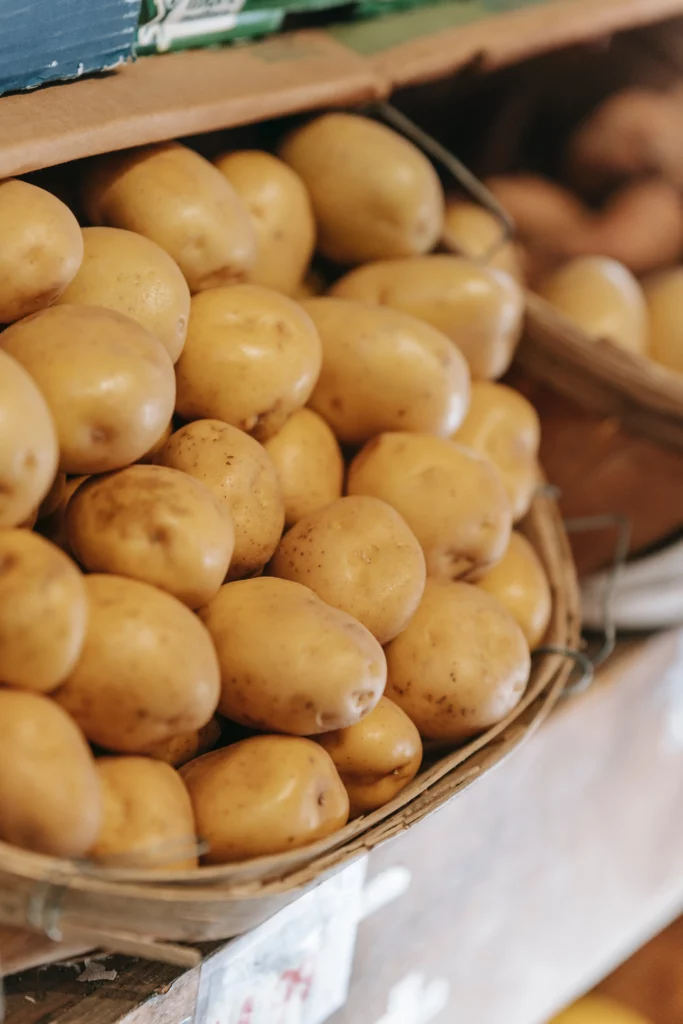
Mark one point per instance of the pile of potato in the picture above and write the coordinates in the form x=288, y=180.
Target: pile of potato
x=254, y=546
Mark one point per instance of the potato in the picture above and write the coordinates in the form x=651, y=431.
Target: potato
x=43, y=612
x=599, y=1009
x=309, y=464
x=520, y=584
x=49, y=792
x=130, y=274
x=150, y=456
x=289, y=662
x=41, y=248
x=502, y=425
x=153, y=524
x=107, y=381
x=479, y=309
x=664, y=296
x=281, y=212
x=377, y=757
x=374, y=194
x=251, y=359
x=477, y=234
x=264, y=795
x=185, y=746
x=383, y=370
x=147, y=671
x=147, y=817
x=452, y=499
x=28, y=444
x=461, y=665
x=175, y=197
x=53, y=526
x=357, y=554
x=240, y=474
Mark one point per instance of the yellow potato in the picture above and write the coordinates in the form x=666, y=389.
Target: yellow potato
x=520, y=584
x=598, y=1009
x=664, y=296
x=153, y=524
x=147, y=671
x=28, y=444
x=41, y=248
x=359, y=555
x=175, y=197
x=452, y=499
x=308, y=462
x=281, y=212
x=147, y=816
x=251, y=359
x=49, y=792
x=43, y=612
x=478, y=308
x=150, y=456
x=107, y=381
x=374, y=194
x=461, y=665
x=238, y=471
x=477, y=234
x=264, y=795
x=178, y=750
x=377, y=757
x=383, y=370
x=130, y=274
x=289, y=662
x=53, y=526
x=502, y=425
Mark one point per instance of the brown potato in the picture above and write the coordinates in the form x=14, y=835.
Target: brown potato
x=357, y=554
x=477, y=234
x=376, y=758
x=460, y=666
x=49, y=792
x=289, y=662
x=383, y=370
x=309, y=464
x=664, y=296
x=251, y=359
x=264, y=795
x=520, y=584
x=238, y=471
x=108, y=383
x=130, y=274
x=147, y=671
x=41, y=248
x=452, y=499
x=147, y=818
x=28, y=444
x=178, y=750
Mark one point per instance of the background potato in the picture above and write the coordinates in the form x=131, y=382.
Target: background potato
x=28, y=444
x=461, y=664
x=41, y=248
x=174, y=196
x=478, y=308
x=53, y=526
x=129, y=273
x=477, y=234
x=49, y=792
x=148, y=670
x=359, y=555
x=375, y=195
x=452, y=499
x=180, y=749
x=308, y=462
x=264, y=795
x=289, y=662
x=107, y=381
x=281, y=212
x=664, y=296
x=377, y=757
x=240, y=474
x=520, y=584
x=251, y=359
x=383, y=370
x=154, y=524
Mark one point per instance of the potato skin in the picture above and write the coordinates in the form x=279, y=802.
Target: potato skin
x=473, y=231
x=289, y=662
x=153, y=524
x=664, y=294
x=452, y=499
x=461, y=665
x=41, y=248
x=308, y=462
x=49, y=792
x=252, y=358
x=147, y=671
x=384, y=370
x=357, y=554
x=264, y=795
x=519, y=582
x=184, y=747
